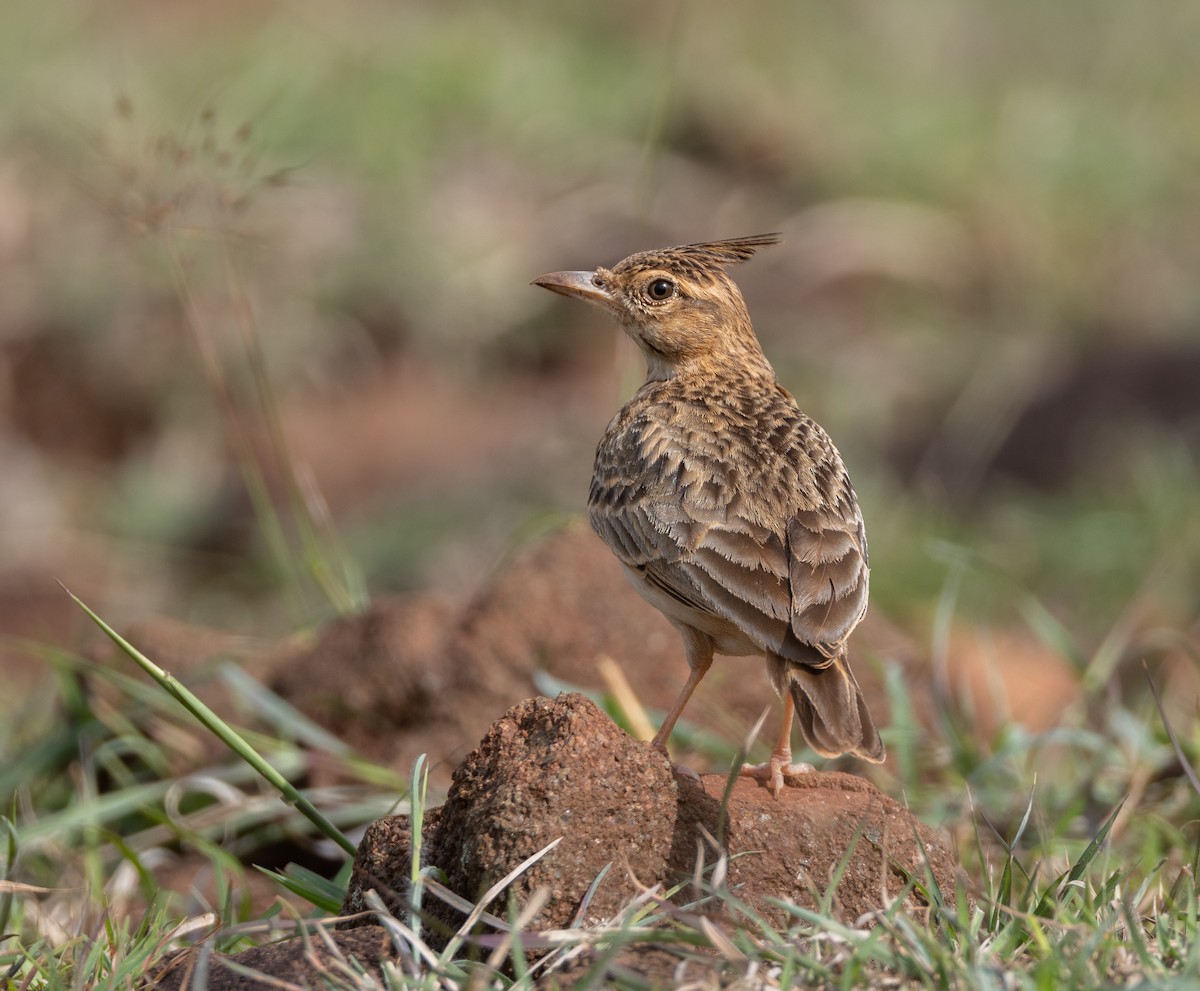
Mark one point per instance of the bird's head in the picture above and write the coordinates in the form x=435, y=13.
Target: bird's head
x=677, y=304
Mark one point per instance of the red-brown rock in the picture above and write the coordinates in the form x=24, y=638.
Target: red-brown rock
x=560, y=768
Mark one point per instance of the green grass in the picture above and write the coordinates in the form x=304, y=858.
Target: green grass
x=1065, y=888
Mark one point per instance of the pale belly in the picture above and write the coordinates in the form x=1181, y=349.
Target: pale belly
x=727, y=638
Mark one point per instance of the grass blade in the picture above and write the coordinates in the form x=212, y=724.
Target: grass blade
x=222, y=730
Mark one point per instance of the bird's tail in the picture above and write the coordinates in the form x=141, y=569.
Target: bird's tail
x=832, y=712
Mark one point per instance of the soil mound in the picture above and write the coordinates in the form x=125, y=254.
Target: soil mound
x=559, y=771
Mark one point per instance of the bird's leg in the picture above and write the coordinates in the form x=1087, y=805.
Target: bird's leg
x=699, y=649
x=779, y=766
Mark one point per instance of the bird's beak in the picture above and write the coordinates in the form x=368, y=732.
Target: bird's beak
x=580, y=285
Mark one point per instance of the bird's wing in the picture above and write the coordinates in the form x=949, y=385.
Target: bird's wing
x=829, y=577
x=689, y=540
x=793, y=580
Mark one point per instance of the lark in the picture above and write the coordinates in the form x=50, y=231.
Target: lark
x=730, y=509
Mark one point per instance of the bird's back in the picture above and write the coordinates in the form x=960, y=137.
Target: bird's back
x=723, y=496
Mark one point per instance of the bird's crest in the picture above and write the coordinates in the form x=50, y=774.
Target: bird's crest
x=699, y=262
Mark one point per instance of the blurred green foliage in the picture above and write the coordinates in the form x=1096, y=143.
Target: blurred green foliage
x=977, y=201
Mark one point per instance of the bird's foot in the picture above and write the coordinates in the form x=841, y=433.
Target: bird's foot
x=776, y=771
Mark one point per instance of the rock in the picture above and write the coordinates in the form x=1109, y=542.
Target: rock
x=561, y=768
x=311, y=962
x=549, y=769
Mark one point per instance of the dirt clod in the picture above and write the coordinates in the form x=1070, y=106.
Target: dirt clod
x=310, y=962
x=372, y=676
x=561, y=768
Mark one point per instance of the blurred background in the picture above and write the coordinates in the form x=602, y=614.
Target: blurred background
x=268, y=344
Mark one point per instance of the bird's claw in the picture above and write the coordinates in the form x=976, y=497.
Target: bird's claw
x=776, y=771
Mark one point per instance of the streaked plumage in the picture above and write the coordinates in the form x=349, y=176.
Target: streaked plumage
x=730, y=509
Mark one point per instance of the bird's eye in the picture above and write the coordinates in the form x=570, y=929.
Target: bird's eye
x=660, y=289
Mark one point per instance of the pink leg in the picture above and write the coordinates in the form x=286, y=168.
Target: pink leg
x=699, y=650
x=780, y=765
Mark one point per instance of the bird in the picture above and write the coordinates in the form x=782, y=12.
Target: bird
x=730, y=510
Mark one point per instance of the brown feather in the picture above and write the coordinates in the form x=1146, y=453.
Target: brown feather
x=832, y=713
